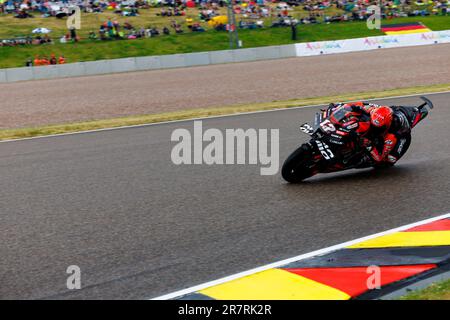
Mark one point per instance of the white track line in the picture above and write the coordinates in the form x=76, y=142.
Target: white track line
x=297, y=258
x=211, y=117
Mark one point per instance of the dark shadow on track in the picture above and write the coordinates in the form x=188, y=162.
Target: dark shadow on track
x=357, y=175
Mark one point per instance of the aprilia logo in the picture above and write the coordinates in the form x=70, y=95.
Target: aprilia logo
x=324, y=150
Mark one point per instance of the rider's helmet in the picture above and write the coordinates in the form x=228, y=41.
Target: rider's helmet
x=381, y=117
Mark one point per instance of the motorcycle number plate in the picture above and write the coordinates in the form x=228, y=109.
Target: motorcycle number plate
x=327, y=126
x=306, y=128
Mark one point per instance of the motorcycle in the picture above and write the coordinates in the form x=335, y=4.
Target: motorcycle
x=333, y=148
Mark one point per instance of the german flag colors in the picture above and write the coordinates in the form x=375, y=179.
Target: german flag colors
x=345, y=273
x=404, y=28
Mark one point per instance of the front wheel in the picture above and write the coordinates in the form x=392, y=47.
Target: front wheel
x=295, y=168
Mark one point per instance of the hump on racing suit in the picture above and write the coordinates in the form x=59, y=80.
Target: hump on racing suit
x=405, y=118
x=353, y=116
x=357, y=117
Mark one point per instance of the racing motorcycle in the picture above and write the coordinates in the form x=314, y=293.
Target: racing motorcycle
x=333, y=148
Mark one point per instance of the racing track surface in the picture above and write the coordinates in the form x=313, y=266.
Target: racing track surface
x=25, y=104
x=138, y=226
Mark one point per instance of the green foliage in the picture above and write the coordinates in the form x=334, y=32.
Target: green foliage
x=436, y=291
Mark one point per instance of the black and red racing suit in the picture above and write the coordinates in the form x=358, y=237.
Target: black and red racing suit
x=395, y=139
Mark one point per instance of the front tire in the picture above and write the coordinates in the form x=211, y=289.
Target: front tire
x=295, y=167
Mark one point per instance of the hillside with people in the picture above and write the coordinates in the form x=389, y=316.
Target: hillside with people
x=33, y=28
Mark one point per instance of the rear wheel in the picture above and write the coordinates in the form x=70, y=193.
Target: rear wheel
x=295, y=168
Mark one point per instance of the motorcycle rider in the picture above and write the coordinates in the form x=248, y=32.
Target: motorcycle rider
x=371, y=121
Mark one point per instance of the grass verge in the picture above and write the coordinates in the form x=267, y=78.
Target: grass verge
x=436, y=291
x=11, y=134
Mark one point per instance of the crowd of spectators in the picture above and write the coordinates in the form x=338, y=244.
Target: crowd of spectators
x=251, y=14
x=45, y=61
x=29, y=40
x=61, y=8
x=352, y=10
x=172, y=12
x=113, y=30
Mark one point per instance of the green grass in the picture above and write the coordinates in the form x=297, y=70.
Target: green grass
x=87, y=50
x=436, y=291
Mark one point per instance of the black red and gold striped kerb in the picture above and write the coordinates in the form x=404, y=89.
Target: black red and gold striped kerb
x=342, y=274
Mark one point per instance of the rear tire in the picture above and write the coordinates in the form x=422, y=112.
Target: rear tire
x=294, y=169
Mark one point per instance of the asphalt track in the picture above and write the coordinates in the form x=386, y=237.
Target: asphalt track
x=44, y=102
x=138, y=226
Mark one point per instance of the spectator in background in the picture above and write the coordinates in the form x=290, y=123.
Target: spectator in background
x=45, y=61
x=37, y=61
x=62, y=60
x=53, y=59
x=73, y=34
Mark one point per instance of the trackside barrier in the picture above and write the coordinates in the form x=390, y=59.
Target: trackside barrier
x=371, y=43
x=69, y=70
x=46, y=73
x=122, y=65
x=19, y=74
x=2, y=76
x=222, y=56
x=219, y=57
x=196, y=59
x=172, y=61
x=96, y=67
x=244, y=55
x=288, y=51
x=146, y=63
